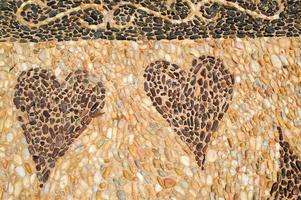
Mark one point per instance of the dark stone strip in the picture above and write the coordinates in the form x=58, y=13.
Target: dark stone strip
x=130, y=23
x=288, y=184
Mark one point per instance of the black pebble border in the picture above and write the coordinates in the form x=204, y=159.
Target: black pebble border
x=54, y=20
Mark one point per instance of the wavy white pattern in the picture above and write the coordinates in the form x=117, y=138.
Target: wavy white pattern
x=108, y=15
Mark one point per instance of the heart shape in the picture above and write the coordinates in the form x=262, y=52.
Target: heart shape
x=288, y=182
x=193, y=104
x=54, y=114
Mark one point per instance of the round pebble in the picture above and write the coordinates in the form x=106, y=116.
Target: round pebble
x=20, y=171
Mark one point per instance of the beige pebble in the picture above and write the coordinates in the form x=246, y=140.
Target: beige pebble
x=211, y=155
x=185, y=160
x=243, y=195
x=20, y=171
x=9, y=137
x=255, y=66
x=284, y=43
x=140, y=145
x=97, y=177
x=17, y=188
x=64, y=181
x=44, y=55
x=18, y=159
x=209, y=180
x=276, y=62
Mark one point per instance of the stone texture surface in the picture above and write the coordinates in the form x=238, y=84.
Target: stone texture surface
x=130, y=151
x=55, y=20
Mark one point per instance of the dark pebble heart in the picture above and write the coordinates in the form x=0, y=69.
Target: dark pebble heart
x=54, y=114
x=193, y=104
x=288, y=185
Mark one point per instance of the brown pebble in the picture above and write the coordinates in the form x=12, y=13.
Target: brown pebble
x=190, y=108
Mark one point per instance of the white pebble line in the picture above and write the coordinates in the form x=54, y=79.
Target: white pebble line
x=109, y=15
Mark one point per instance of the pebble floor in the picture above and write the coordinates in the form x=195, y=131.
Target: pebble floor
x=130, y=152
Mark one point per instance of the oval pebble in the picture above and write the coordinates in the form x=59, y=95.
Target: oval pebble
x=20, y=171
x=121, y=195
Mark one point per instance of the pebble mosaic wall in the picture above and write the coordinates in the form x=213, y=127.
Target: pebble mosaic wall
x=150, y=99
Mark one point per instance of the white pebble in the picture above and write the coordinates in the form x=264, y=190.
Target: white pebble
x=276, y=62
x=266, y=103
x=158, y=187
x=140, y=177
x=283, y=60
x=168, y=58
x=135, y=45
x=194, y=52
x=24, y=67
x=18, y=189
x=97, y=178
x=25, y=154
x=184, y=184
x=26, y=182
x=105, y=195
x=237, y=79
x=244, y=179
x=69, y=197
x=64, y=181
x=20, y=171
x=265, y=145
x=131, y=139
x=172, y=48
x=92, y=149
x=185, y=160
x=212, y=196
x=180, y=190
x=147, y=102
x=211, y=155
x=9, y=137
x=255, y=66
x=243, y=196
x=33, y=178
x=188, y=171
x=299, y=61
x=239, y=44
x=109, y=133
x=43, y=55
x=121, y=195
x=130, y=79
x=46, y=188
x=258, y=143
x=18, y=160
x=209, y=180
x=57, y=71
x=10, y=188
